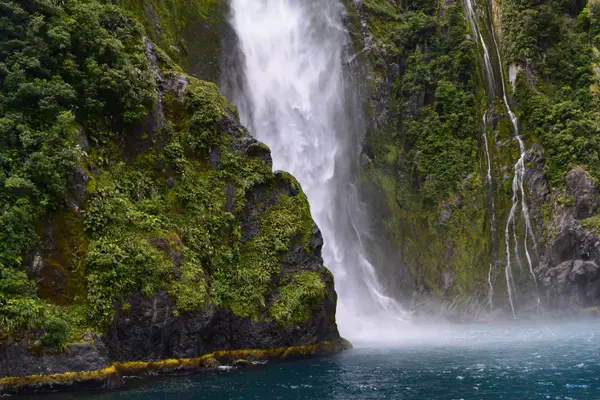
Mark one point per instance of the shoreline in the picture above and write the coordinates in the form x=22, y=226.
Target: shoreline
x=112, y=376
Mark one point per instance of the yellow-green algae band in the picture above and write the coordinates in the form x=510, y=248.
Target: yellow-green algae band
x=110, y=376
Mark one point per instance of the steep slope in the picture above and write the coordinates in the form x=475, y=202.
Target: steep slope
x=442, y=151
x=141, y=222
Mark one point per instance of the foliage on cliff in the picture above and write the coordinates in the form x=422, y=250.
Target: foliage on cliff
x=423, y=146
x=64, y=68
x=426, y=155
x=162, y=174
x=556, y=44
x=189, y=31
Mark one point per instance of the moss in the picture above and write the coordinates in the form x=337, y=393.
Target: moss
x=297, y=300
x=592, y=223
x=170, y=366
x=190, y=291
x=244, y=286
x=70, y=244
x=66, y=379
x=188, y=31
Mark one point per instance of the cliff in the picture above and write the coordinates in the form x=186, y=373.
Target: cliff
x=141, y=222
x=441, y=153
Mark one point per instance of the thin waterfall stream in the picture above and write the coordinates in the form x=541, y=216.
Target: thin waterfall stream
x=297, y=97
x=519, y=197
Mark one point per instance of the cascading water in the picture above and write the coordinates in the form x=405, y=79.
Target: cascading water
x=519, y=197
x=295, y=96
x=491, y=91
x=490, y=188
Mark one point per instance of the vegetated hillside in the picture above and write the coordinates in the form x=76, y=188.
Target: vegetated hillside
x=138, y=216
x=425, y=153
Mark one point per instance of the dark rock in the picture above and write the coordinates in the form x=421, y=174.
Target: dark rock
x=578, y=273
x=259, y=150
x=149, y=331
x=572, y=285
x=539, y=189
x=230, y=196
x=214, y=158
x=170, y=182
x=583, y=187
x=316, y=240
x=77, y=192
x=77, y=358
x=591, y=270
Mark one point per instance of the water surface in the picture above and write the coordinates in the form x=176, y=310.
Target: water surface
x=546, y=360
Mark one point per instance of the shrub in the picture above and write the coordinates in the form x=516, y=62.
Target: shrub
x=56, y=333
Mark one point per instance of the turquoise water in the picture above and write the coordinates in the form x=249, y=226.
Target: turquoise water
x=509, y=361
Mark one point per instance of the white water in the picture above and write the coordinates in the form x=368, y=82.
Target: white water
x=490, y=187
x=517, y=185
x=491, y=81
x=296, y=97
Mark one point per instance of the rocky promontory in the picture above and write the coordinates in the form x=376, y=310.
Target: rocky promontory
x=142, y=223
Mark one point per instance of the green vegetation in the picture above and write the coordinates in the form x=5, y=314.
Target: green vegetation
x=64, y=68
x=424, y=154
x=298, y=299
x=167, y=186
x=427, y=161
x=189, y=31
x=286, y=225
x=556, y=41
x=433, y=103
x=56, y=333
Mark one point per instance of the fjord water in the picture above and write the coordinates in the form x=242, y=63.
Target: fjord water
x=295, y=92
x=513, y=360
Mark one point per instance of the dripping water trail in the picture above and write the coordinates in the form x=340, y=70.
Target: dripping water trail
x=490, y=190
x=495, y=74
x=518, y=177
x=491, y=92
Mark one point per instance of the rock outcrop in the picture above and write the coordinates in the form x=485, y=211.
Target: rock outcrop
x=569, y=267
x=175, y=241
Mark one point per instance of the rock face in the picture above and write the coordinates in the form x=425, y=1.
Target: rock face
x=569, y=268
x=585, y=191
x=18, y=360
x=439, y=170
x=174, y=241
x=149, y=332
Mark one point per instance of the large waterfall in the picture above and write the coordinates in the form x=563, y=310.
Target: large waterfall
x=295, y=94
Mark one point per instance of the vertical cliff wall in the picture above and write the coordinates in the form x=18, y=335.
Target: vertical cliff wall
x=140, y=220
x=439, y=160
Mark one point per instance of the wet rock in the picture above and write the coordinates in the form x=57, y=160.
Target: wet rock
x=585, y=191
x=572, y=285
x=149, y=330
x=78, y=357
x=539, y=189
x=176, y=84
x=77, y=192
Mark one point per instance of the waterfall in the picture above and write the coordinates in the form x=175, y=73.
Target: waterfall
x=490, y=192
x=495, y=74
x=295, y=94
x=491, y=92
x=517, y=185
